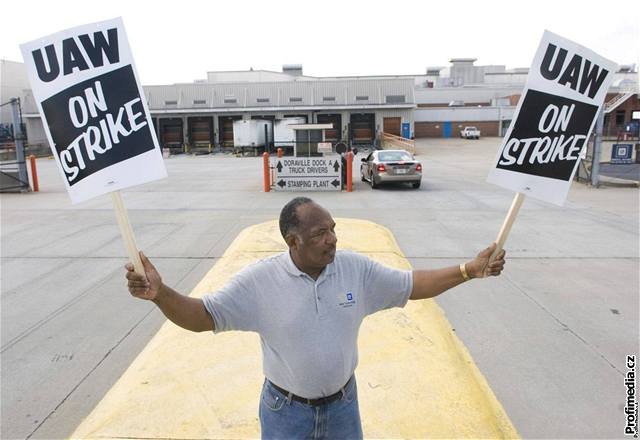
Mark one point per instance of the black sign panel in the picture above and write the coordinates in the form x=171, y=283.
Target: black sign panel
x=97, y=123
x=548, y=136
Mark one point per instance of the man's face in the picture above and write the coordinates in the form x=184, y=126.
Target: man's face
x=315, y=243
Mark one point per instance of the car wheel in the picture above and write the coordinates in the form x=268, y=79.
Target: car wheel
x=374, y=185
x=416, y=185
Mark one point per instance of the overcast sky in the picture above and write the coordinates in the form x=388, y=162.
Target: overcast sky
x=180, y=41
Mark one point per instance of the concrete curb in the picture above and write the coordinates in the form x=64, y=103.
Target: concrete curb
x=614, y=181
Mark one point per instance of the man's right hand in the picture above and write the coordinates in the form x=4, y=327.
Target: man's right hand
x=141, y=286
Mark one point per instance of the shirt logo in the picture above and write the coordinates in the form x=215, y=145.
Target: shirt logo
x=349, y=300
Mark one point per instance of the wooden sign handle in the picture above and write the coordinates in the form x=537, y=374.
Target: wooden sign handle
x=506, y=225
x=127, y=232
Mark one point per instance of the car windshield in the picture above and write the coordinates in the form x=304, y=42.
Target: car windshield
x=390, y=156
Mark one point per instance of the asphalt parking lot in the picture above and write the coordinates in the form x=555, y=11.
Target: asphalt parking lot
x=551, y=335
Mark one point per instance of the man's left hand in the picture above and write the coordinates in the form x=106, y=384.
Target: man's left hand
x=480, y=266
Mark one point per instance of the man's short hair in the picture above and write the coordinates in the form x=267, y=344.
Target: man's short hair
x=289, y=220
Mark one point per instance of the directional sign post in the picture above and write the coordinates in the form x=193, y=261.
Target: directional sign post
x=308, y=173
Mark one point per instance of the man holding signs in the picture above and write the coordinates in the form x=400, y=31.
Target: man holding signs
x=307, y=305
x=99, y=128
x=100, y=132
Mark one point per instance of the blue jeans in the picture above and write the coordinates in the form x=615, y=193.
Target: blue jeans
x=281, y=418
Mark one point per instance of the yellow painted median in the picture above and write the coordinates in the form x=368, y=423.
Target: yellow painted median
x=415, y=378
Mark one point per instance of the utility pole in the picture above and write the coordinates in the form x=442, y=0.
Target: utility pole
x=18, y=141
x=597, y=148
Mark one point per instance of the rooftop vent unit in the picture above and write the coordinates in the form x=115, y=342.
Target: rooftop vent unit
x=463, y=61
x=292, y=69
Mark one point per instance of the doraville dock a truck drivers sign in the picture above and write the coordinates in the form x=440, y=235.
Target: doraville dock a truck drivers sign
x=308, y=173
x=565, y=89
x=96, y=117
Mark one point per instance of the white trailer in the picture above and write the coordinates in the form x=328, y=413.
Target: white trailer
x=285, y=136
x=253, y=133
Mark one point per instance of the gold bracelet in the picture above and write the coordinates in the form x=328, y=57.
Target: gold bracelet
x=463, y=271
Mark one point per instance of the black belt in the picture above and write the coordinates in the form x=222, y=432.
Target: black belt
x=313, y=402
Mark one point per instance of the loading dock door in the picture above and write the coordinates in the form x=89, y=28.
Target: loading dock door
x=333, y=134
x=362, y=128
x=200, y=131
x=226, y=129
x=171, y=132
x=392, y=126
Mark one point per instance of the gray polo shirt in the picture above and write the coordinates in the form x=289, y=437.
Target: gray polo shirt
x=308, y=328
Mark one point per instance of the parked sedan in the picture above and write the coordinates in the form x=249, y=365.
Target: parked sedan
x=385, y=166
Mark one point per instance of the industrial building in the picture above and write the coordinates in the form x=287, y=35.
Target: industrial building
x=439, y=103
x=202, y=113
x=448, y=99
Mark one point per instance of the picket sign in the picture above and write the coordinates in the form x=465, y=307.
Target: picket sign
x=127, y=232
x=539, y=155
x=95, y=115
x=507, y=224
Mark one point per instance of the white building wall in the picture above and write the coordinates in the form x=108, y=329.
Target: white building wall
x=329, y=89
x=262, y=91
x=512, y=78
x=13, y=81
x=35, y=131
x=464, y=94
x=441, y=114
x=295, y=91
x=157, y=96
x=191, y=94
x=626, y=82
x=229, y=92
